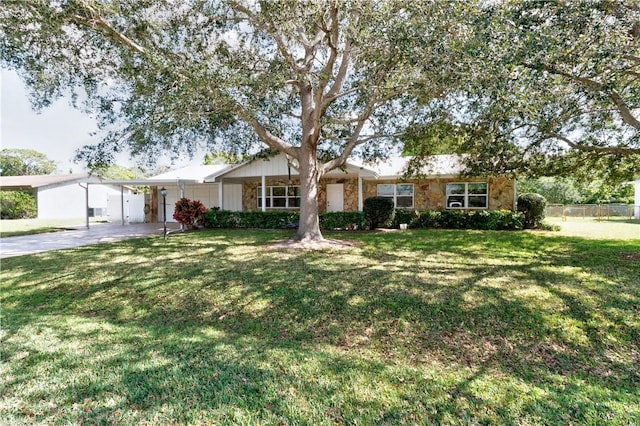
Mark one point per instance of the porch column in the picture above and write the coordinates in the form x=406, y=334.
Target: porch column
x=359, y=193
x=181, y=185
x=264, y=193
x=221, y=195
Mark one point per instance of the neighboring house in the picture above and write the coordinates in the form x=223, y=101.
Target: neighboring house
x=240, y=187
x=73, y=196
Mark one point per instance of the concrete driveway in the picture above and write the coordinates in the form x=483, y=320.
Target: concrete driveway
x=97, y=233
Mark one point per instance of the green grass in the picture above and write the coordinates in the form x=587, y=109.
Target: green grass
x=426, y=327
x=17, y=227
x=592, y=227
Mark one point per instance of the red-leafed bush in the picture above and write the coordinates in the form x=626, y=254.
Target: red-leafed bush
x=190, y=213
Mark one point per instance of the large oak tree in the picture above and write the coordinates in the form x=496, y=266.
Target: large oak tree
x=317, y=80
x=560, y=94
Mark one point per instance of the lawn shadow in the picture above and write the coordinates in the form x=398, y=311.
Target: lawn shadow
x=534, y=309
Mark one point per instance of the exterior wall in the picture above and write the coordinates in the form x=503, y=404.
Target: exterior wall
x=250, y=191
x=62, y=202
x=350, y=188
x=250, y=198
x=272, y=166
x=206, y=193
x=430, y=194
x=67, y=201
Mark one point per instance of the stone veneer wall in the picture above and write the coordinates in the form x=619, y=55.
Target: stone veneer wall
x=428, y=194
x=250, y=193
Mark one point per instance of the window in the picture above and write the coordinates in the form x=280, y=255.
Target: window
x=401, y=194
x=471, y=195
x=280, y=197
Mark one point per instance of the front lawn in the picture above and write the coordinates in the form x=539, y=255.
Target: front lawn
x=425, y=326
x=17, y=227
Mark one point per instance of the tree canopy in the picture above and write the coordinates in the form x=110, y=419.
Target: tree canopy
x=317, y=80
x=541, y=87
x=561, y=87
x=20, y=162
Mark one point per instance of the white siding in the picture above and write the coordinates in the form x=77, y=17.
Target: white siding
x=274, y=166
x=62, y=202
x=206, y=193
x=68, y=201
x=232, y=197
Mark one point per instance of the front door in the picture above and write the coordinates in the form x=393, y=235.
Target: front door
x=335, y=197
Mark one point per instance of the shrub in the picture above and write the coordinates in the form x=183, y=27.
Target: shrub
x=342, y=220
x=17, y=205
x=427, y=219
x=461, y=219
x=378, y=211
x=532, y=205
x=402, y=216
x=190, y=213
x=455, y=219
x=216, y=218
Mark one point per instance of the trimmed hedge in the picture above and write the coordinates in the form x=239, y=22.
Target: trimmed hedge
x=351, y=221
x=17, y=205
x=461, y=219
x=403, y=216
x=215, y=218
x=452, y=219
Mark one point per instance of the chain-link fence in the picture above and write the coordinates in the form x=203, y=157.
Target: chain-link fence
x=602, y=211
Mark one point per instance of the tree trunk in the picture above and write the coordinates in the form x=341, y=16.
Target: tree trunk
x=309, y=226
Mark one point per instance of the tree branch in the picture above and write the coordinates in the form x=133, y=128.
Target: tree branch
x=625, y=111
x=97, y=21
x=277, y=37
x=267, y=137
x=590, y=148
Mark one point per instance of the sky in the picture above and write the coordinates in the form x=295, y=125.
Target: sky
x=57, y=131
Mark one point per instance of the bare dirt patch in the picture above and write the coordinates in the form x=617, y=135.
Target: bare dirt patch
x=630, y=255
x=306, y=245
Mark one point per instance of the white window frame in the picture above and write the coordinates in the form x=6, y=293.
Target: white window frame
x=286, y=197
x=396, y=195
x=465, y=196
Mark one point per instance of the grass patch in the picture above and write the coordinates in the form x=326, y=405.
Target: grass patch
x=41, y=230
x=421, y=326
x=594, y=228
x=17, y=227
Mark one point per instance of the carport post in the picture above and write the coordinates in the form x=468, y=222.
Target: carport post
x=122, y=205
x=86, y=203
